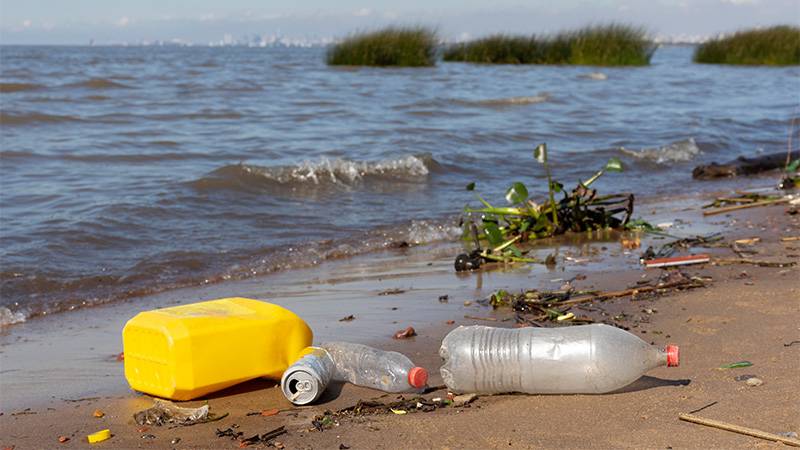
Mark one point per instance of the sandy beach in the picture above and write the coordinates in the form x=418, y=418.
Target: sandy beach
x=57, y=373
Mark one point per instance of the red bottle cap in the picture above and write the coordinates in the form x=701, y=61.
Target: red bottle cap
x=417, y=377
x=673, y=355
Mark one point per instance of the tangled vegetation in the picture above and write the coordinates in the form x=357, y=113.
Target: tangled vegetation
x=502, y=227
x=775, y=46
x=597, y=45
x=393, y=46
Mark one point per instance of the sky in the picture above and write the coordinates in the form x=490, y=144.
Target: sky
x=203, y=21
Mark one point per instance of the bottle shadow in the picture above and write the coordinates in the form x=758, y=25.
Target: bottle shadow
x=648, y=382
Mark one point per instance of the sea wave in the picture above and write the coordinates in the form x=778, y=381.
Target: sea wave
x=172, y=270
x=99, y=83
x=509, y=101
x=323, y=172
x=33, y=118
x=678, y=151
x=19, y=87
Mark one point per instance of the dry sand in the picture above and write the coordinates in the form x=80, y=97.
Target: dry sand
x=57, y=371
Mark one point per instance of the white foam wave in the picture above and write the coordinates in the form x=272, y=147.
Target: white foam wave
x=527, y=100
x=678, y=151
x=423, y=232
x=8, y=317
x=594, y=76
x=342, y=171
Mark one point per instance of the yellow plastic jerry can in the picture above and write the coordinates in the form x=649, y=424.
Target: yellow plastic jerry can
x=187, y=351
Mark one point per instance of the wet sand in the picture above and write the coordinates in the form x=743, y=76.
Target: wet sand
x=57, y=370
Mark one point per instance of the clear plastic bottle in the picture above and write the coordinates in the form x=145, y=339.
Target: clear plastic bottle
x=586, y=359
x=378, y=369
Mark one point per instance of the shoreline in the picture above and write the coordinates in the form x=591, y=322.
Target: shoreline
x=76, y=352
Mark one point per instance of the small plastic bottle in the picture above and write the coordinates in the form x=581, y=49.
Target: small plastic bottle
x=587, y=359
x=378, y=369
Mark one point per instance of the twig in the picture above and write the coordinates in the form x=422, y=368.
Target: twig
x=726, y=261
x=741, y=430
x=725, y=209
x=790, y=238
x=632, y=291
x=703, y=407
x=488, y=319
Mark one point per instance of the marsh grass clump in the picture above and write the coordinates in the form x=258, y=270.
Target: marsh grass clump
x=393, y=46
x=775, y=46
x=597, y=45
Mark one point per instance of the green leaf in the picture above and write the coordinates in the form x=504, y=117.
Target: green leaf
x=613, y=165
x=556, y=186
x=792, y=167
x=736, y=365
x=493, y=234
x=517, y=193
x=471, y=186
x=540, y=153
x=515, y=251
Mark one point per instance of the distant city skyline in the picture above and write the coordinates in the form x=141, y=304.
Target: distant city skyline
x=204, y=22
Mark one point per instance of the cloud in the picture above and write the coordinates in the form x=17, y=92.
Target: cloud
x=123, y=22
x=363, y=12
x=741, y=2
x=27, y=23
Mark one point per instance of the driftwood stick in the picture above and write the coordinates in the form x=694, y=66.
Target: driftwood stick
x=755, y=262
x=741, y=430
x=628, y=292
x=725, y=209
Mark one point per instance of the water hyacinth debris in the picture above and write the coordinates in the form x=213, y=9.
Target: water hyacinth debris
x=503, y=227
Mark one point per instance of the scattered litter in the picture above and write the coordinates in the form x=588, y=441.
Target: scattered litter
x=789, y=434
x=760, y=263
x=394, y=291
x=488, y=319
x=100, y=436
x=736, y=365
x=398, y=411
x=164, y=412
x=270, y=412
x=148, y=436
x=120, y=357
x=676, y=261
x=567, y=316
x=789, y=344
x=748, y=241
x=330, y=419
x=264, y=438
x=347, y=318
x=404, y=334
x=726, y=209
x=63, y=439
x=741, y=430
x=754, y=381
x=230, y=432
x=631, y=243
x=175, y=441
x=344, y=447
x=743, y=377
x=450, y=322
x=97, y=413
x=444, y=298
x=790, y=238
x=467, y=303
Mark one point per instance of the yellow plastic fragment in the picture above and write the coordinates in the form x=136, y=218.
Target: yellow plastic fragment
x=100, y=436
x=566, y=316
x=399, y=411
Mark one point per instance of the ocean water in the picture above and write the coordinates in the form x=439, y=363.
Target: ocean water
x=127, y=171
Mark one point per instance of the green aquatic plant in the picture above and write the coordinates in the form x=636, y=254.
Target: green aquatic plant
x=774, y=46
x=393, y=46
x=503, y=227
x=596, y=45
